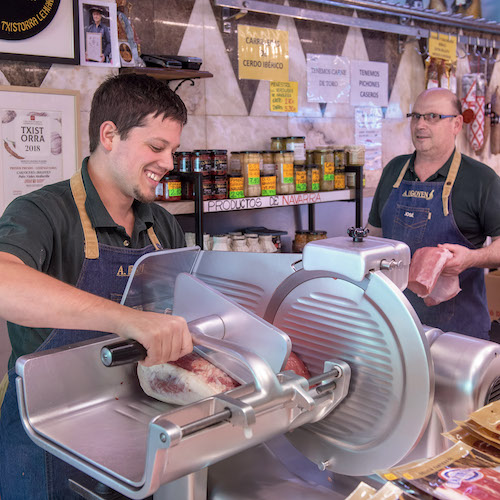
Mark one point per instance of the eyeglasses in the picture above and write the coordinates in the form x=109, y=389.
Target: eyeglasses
x=428, y=117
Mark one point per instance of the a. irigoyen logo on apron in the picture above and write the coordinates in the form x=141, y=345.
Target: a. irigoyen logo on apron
x=412, y=193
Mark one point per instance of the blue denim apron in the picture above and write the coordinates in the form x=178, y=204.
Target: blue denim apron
x=26, y=471
x=420, y=214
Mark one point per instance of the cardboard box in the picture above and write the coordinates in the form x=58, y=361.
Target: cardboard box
x=492, y=281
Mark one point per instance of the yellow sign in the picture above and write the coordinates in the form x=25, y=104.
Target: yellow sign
x=443, y=46
x=262, y=53
x=284, y=96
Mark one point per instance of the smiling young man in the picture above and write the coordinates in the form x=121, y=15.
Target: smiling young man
x=436, y=196
x=63, y=250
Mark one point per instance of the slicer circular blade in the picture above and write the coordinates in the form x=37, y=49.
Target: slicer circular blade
x=371, y=326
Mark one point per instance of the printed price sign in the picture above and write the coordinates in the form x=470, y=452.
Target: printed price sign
x=284, y=96
x=262, y=53
x=443, y=46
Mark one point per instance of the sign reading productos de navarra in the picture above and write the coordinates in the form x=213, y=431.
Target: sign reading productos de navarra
x=21, y=19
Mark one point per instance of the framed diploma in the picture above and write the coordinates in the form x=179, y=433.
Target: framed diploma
x=39, y=137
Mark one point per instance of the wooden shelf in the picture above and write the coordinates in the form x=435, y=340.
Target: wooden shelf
x=168, y=73
x=286, y=200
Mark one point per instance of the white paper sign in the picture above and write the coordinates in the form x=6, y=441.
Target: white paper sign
x=368, y=132
x=328, y=78
x=369, y=83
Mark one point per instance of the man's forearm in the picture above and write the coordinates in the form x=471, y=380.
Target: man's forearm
x=488, y=256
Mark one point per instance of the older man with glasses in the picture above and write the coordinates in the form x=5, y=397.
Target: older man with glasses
x=437, y=196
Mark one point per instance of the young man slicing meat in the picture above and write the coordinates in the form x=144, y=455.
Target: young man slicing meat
x=436, y=196
x=61, y=251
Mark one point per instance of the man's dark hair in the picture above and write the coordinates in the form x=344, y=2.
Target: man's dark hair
x=127, y=99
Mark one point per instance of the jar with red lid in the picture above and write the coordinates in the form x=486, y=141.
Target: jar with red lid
x=219, y=161
x=160, y=190
x=182, y=161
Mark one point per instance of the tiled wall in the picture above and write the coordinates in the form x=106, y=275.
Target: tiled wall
x=233, y=114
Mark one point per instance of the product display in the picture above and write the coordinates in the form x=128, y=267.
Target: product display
x=324, y=159
x=312, y=178
x=339, y=173
x=300, y=178
x=250, y=168
x=284, y=172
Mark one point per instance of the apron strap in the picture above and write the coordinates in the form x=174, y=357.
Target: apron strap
x=3, y=389
x=448, y=184
x=89, y=234
x=450, y=180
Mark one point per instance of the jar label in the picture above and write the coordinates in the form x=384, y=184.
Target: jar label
x=340, y=181
x=159, y=191
x=269, y=186
x=329, y=171
x=253, y=174
x=315, y=186
x=287, y=173
x=300, y=181
x=315, y=176
x=236, y=185
x=174, y=189
x=299, y=151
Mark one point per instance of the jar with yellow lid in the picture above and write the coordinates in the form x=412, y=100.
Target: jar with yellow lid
x=324, y=159
x=339, y=161
x=300, y=178
x=250, y=169
x=298, y=146
x=312, y=178
x=285, y=183
x=278, y=143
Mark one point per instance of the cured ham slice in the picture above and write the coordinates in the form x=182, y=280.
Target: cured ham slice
x=425, y=276
x=192, y=378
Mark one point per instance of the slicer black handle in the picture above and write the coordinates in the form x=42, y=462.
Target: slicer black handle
x=121, y=353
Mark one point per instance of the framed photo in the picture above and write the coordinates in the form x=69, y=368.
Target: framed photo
x=38, y=30
x=98, y=34
x=40, y=139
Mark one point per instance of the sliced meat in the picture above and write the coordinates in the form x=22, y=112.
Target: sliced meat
x=445, y=289
x=425, y=267
x=192, y=378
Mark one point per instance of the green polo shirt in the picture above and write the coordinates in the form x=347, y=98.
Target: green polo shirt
x=43, y=229
x=475, y=196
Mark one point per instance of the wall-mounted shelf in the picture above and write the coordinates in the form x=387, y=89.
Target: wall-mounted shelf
x=169, y=73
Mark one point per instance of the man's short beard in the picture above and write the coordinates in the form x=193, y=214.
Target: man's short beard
x=140, y=197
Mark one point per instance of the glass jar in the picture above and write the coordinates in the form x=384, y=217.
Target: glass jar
x=250, y=169
x=310, y=157
x=339, y=175
x=312, y=174
x=201, y=162
x=234, y=163
x=172, y=188
x=324, y=159
x=221, y=243
x=266, y=243
x=219, y=187
x=278, y=143
x=236, y=186
x=350, y=179
x=207, y=188
x=160, y=190
x=183, y=161
x=300, y=241
x=316, y=235
x=300, y=178
x=219, y=161
x=298, y=146
x=355, y=155
x=268, y=166
x=284, y=172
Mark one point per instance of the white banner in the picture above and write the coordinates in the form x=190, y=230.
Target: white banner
x=328, y=78
x=369, y=83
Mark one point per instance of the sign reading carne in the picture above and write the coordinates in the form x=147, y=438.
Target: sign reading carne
x=21, y=19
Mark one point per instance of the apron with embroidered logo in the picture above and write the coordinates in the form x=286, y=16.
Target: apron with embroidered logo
x=27, y=471
x=420, y=214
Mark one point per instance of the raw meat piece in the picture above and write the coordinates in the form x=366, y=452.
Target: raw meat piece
x=425, y=276
x=192, y=378
x=425, y=267
x=295, y=364
x=445, y=289
x=184, y=381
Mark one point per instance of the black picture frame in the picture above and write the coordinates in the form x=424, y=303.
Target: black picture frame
x=30, y=55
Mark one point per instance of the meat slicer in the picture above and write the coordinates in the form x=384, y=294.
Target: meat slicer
x=383, y=387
